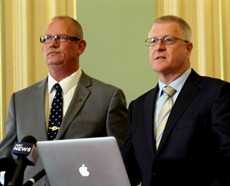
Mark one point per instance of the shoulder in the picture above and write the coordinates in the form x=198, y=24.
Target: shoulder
x=215, y=86
x=212, y=82
x=34, y=87
x=95, y=84
x=204, y=82
x=100, y=90
x=145, y=99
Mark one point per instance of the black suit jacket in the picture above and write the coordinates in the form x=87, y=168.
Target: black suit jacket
x=195, y=147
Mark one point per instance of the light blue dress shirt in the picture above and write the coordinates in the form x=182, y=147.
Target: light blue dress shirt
x=176, y=84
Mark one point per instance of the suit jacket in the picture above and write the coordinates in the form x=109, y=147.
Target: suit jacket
x=97, y=109
x=195, y=147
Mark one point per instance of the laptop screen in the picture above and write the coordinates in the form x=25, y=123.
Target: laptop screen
x=83, y=162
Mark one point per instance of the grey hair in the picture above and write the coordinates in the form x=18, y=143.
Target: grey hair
x=182, y=23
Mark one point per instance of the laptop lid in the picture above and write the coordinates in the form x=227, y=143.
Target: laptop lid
x=83, y=162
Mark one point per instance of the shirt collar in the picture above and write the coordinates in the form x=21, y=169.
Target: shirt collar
x=67, y=83
x=176, y=84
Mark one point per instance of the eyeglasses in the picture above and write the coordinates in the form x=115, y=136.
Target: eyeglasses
x=60, y=38
x=166, y=40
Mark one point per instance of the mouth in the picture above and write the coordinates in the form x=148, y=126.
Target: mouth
x=51, y=53
x=160, y=57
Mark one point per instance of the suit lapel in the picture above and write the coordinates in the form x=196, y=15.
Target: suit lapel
x=149, y=118
x=79, y=98
x=39, y=99
x=186, y=95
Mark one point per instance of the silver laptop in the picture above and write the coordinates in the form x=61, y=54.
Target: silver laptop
x=83, y=162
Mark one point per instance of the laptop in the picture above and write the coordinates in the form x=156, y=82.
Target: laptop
x=83, y=162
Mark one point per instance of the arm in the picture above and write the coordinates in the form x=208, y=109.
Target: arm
x=7, y=163
x=220, y=113
x=129, y=157
x=116, y=123
x=10, y=136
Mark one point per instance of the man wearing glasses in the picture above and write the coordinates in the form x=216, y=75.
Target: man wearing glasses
x=179, y=132
x=83, y=107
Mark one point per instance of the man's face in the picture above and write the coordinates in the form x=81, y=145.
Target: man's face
x=57, y=53
x=169, y=60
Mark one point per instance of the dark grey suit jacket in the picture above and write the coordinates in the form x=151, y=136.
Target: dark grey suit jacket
x=97, y=109
x=195, y=147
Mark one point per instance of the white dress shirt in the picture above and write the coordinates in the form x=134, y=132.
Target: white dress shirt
x=68, y=85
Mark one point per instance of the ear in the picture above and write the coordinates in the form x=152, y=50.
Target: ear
x=82, y=46
x=189, y=48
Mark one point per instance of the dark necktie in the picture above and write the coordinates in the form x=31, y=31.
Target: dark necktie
x=55, y=118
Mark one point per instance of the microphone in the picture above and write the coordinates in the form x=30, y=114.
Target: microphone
x=25, y=154
x=7, y=165
x=35, y=178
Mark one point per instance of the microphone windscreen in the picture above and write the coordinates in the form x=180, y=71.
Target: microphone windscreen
x=26, y=149
x=29, y=139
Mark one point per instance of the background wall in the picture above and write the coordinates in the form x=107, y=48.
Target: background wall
x=116, y=53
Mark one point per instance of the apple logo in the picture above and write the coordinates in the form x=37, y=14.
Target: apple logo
x=83, y=170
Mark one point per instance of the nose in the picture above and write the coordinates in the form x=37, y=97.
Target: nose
x=160, y=45
x=54, y=42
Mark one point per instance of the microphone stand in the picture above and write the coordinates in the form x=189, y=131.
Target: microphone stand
x=35, y=178
x=18, y=174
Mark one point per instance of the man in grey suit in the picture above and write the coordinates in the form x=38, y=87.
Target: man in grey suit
x=91, y=108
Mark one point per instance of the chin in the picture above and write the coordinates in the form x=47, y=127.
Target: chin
x=54, y=63
x=157, y=68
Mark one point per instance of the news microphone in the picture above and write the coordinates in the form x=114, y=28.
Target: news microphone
x=7, y=163
x=25, y=153
x=35, y=178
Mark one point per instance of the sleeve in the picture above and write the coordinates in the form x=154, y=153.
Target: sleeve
x=128, y=156
x=116, y=120
x=7, y=162
x=10, y=136
x=220, y=113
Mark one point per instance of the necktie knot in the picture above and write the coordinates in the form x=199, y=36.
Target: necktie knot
x=58, y=87
x=169, y=91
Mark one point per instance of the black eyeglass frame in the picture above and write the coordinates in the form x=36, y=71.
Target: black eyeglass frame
x=48, y=38
x=148, y=40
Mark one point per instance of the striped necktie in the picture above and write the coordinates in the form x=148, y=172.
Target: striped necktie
x=55, y=118
x=163, y=115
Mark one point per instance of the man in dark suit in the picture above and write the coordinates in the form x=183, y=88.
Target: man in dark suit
x=91, y=108
x=193, y=148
